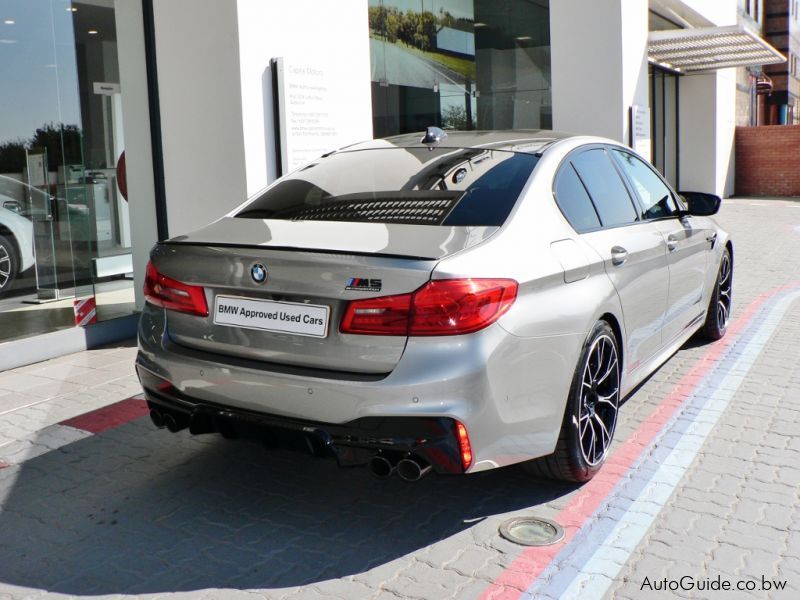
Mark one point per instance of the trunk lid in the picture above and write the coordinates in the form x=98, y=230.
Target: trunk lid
x=431, y=242
x=313, y=270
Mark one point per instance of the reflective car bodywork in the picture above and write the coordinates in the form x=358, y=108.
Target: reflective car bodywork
x=507, y=383
x=21, y=230
x=17, y=202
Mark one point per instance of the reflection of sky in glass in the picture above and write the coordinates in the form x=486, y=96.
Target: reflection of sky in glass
x=38, y=73
x=460, y=9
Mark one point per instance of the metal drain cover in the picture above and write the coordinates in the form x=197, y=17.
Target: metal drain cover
x=531, y=531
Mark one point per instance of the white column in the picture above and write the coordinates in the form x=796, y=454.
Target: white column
x=136, y=123
x=599, y=65
x=707, y=124
x=197, y=48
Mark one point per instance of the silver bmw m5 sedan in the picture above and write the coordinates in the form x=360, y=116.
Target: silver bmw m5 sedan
x=435, y=302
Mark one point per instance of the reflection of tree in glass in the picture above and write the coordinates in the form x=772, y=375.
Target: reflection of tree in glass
x=63, y=144
x=455, y=117
x=12, y=156
x=416, y=29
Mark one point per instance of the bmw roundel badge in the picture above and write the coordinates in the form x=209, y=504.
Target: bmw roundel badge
x=259, y=273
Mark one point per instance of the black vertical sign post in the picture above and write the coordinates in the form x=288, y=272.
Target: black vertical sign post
x=276, y=68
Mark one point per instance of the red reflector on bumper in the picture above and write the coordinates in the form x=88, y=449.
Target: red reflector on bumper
x=464, y=446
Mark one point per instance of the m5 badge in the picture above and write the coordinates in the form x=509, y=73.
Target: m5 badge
x=360, y=284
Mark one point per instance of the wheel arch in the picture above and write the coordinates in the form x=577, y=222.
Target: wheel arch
x=617, y=329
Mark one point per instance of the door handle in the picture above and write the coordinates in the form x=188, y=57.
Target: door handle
x=618, y=255
x=672, y=243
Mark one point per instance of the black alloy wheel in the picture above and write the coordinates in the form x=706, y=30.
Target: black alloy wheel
x=590, y=417
x=599, y=402
x=721, y=302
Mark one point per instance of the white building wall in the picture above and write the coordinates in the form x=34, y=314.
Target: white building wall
x=600, y=69
x=707, y=110
x=716, y=12
x=599, y=65
x=707, y=127
x=214, y=92
x=725, y=169
x=333, y=35
x=201, y=110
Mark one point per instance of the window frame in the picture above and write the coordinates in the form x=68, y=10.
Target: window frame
x=567, y=160
x=632, y=188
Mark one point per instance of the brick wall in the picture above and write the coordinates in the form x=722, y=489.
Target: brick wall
x=768, y=161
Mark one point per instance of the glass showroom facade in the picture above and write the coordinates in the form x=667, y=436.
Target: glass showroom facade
x=64, y=223
x=461, y=64
x=484, y=64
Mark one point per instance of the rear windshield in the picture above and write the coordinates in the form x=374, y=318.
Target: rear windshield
x=442, y=186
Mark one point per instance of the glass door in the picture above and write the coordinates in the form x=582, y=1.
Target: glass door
x=664, y=93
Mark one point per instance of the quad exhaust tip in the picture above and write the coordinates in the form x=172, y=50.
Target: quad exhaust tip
x=170, y=423
x=381, y=467
x=410, y=469
x=173, y=423
x=157, y=418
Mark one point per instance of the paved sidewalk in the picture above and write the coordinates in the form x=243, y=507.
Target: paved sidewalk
x=703, y=484
x=44, y=394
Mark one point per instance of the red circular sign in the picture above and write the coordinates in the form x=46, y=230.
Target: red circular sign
x=122, y=180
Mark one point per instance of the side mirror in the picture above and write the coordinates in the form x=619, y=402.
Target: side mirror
x=700, y=204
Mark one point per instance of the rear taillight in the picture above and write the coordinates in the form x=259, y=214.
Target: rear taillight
x=387, y=315
x=172, y=294
x=441, y=307
x=452, y=306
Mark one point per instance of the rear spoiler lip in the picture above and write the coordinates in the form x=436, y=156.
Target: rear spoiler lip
x=298, y=249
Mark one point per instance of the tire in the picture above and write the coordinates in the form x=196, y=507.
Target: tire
x=719, y=306
x=9, y=263
x=593, y=400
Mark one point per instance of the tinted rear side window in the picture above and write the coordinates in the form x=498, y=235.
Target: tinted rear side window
x=443, y=186
x=605, y=187
x=656, y=198
x=574, y=202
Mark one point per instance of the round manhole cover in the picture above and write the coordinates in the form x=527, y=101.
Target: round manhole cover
x=532, y=531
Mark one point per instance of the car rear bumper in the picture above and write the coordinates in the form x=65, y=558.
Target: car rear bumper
x=508, y=392
x=431, y=439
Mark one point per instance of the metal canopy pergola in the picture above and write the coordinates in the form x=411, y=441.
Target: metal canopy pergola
x=710, y=48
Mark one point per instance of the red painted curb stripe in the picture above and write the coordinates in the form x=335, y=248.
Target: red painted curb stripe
x=109, y=416
x=529, y=564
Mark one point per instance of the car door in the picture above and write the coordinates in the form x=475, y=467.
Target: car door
x=686, y=240
x=632, y=251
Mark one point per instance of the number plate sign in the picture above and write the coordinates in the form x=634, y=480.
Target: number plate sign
x=267, y=315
